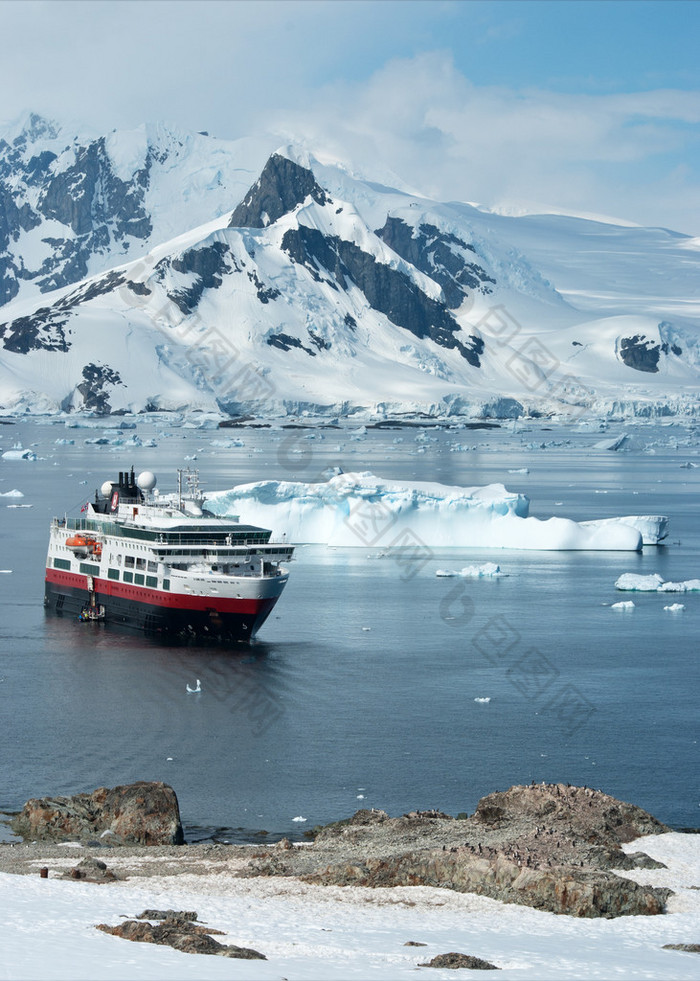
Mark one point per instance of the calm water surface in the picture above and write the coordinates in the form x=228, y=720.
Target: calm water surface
x=323, y=715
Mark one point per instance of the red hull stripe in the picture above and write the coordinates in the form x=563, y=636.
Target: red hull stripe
x=160, y=597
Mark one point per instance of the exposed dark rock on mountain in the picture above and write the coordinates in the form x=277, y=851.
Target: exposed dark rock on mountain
x=282, y=185
x=94, y=396
x=45, y=327
x=640, y=353
x=388, y=290
x=439, y=255
x=81, y=192
x=209, y=264
x=285, y=343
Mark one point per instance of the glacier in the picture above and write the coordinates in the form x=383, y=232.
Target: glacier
x=361, y=509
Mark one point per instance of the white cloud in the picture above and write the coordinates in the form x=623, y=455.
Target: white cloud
x=627, y=155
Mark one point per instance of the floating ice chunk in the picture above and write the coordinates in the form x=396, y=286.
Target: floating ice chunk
x=624, y=605
x=520, y=470
x=483, y=701
x=17, y=453
x=5, y=572
x=675, y=607
x=689, y=586
x=12, y=493
x=689, y=466
x=642, y=584
x=299, y=818
x=655, y=584
x=488, y=569
x=64, y=442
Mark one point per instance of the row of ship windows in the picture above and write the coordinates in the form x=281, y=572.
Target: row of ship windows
x=138, y=578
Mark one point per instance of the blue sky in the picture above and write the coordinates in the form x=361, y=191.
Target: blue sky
x=591, y=107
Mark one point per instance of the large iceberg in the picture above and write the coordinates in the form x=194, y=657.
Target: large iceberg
x=359, y=509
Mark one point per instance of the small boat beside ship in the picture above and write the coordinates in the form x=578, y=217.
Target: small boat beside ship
x=163, y=563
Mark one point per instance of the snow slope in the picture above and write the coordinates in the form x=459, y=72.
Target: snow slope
x=335, y=934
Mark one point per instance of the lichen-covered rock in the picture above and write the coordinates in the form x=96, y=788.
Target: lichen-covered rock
x=576, y=892
x=142, y=813
x=589, y=814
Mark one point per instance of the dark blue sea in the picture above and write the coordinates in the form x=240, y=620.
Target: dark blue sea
x=367, y=685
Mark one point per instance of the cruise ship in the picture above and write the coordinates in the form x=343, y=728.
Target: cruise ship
x=163, y=564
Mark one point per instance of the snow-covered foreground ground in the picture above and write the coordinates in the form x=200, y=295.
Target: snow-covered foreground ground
x=315, y=932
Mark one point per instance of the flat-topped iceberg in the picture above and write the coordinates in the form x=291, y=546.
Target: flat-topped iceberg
x=360, y=509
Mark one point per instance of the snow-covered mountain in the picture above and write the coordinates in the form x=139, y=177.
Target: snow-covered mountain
x=156, y=270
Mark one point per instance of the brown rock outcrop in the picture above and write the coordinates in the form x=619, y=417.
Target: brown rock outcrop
x=140, y=813
x=553, y=847
x=179, y=931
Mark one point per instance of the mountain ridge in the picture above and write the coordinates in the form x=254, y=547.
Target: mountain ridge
x=314, y=290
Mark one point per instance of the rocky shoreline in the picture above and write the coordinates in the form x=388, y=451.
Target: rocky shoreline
x=553, y=847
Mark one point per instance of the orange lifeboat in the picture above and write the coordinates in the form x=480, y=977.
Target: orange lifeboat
x=77, y=543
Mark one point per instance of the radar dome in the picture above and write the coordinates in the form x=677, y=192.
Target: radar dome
x=146, y=480
x=106, y=488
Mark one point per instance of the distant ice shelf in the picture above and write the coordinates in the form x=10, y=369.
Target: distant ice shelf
x=361, y=509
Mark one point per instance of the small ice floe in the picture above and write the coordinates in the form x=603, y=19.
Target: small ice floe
x=483, y=701
x=194, y=691
x=689, y=466
x=168, y=759
x=485, y=570
x=675, y=607
x=655, y=584
x=360, y=797
x=624, y=605
x=299, y=818
x=366, y=628
x=5, y=572
x=12, y=493
x=17, y=453
x=20, y=505
x=520, y=470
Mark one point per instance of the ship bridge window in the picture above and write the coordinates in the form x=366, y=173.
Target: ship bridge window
x=152, y=566
x=140, y=563
x=129, y=561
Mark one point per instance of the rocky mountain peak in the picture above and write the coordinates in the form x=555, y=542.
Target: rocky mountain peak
x=282, y=185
